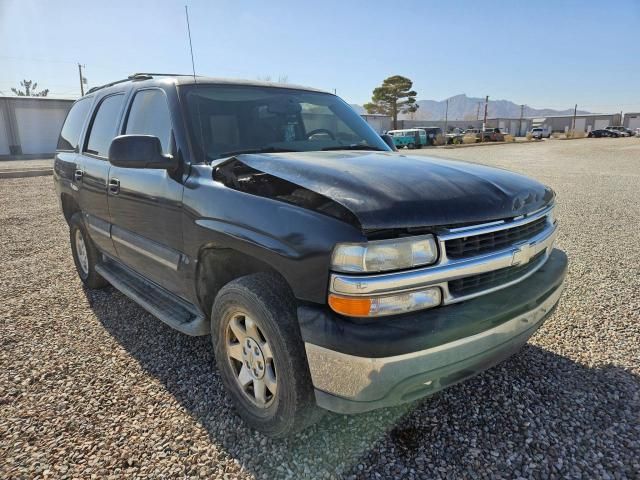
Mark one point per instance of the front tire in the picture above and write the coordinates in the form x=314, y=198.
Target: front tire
x=85, y=254
x=260, y=355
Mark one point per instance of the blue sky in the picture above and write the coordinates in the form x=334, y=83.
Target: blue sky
x=544, y=54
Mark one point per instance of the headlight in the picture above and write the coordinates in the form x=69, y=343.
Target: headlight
x=382, y=255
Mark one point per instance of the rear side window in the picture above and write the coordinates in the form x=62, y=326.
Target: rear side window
x=149, y=115
x=104, y=126
x=72, y=128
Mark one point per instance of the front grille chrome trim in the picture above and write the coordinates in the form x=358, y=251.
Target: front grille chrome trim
x=490, y=227
x=451, y=269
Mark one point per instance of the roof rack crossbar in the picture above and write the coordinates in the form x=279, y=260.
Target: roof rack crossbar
x=99, y=87
x=138, y=76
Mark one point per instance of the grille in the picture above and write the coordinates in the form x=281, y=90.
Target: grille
x=484, y=281
x=489, y=242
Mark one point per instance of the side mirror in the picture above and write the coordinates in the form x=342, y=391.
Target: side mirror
x=140, y=151
x=389, y=141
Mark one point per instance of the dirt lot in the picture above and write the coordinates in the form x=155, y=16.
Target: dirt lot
x=90, y=384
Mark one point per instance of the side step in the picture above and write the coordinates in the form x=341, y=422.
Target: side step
x=171, y=309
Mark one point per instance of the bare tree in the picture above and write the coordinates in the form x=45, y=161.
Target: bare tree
x=30, y=88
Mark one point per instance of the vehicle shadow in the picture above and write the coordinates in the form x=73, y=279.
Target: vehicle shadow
x=537, y=414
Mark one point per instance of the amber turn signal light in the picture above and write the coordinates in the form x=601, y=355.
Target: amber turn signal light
x=379, y=306
x=351, y=306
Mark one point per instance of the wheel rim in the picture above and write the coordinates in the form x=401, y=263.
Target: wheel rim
x=251, y=359
x=81, y=252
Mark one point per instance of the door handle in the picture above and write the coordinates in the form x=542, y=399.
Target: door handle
x=114, y=186
x=78, y=175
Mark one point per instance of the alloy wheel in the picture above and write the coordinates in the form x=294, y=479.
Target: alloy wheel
x=81, y=252
x=251, y=360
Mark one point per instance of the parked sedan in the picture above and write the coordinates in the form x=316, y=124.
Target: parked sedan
x=602, y=132
x=622, y=131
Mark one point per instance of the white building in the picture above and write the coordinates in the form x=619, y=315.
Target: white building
x=29, y=126
x=632, y=120
x=379, y=122
x=583, y=123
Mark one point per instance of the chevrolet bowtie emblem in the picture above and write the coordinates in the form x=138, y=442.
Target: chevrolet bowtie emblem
x=522, y=255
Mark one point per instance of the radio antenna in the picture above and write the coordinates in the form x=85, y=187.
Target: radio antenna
x=195, y=81
x=193, y=65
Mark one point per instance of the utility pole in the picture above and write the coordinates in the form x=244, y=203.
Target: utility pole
x=446, y=117
x=575, y=111
x=81, y=80
x=478, y=112
x=484, y=122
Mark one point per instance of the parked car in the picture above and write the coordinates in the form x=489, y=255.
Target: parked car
x=330, y=272
x=637, y=132
x=410, y=138
x=455, y=136
x=493, y=135
x=541, y=132
x=490, y=135
x=432, y=134
x=622, y=131
x=486, y=135
x=472, y=132
x=603, y=132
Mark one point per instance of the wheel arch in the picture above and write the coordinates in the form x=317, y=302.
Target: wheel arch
x=69, y=206
x=217, y=266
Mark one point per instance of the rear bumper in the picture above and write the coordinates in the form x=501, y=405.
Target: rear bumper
x=361, y=372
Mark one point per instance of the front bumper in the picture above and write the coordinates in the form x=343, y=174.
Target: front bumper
x=361, y=366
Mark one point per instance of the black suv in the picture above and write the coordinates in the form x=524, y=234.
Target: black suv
x=331, y=272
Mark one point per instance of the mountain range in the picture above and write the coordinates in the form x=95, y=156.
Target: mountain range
x=462, y=107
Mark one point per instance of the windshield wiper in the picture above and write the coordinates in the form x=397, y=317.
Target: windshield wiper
x=353, y=147
x=255, y=150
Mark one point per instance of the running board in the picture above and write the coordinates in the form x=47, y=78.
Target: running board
x=171, y=309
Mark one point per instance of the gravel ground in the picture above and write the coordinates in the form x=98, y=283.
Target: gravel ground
x=91, y=385
x=25, y=164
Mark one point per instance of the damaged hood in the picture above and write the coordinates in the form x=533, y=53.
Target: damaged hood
x=389, y=190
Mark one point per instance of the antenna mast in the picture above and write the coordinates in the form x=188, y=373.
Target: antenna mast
x=193, y=65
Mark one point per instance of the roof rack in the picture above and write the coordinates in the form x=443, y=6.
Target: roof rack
x=137, y=76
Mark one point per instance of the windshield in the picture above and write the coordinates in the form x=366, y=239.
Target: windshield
x=227, y=120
